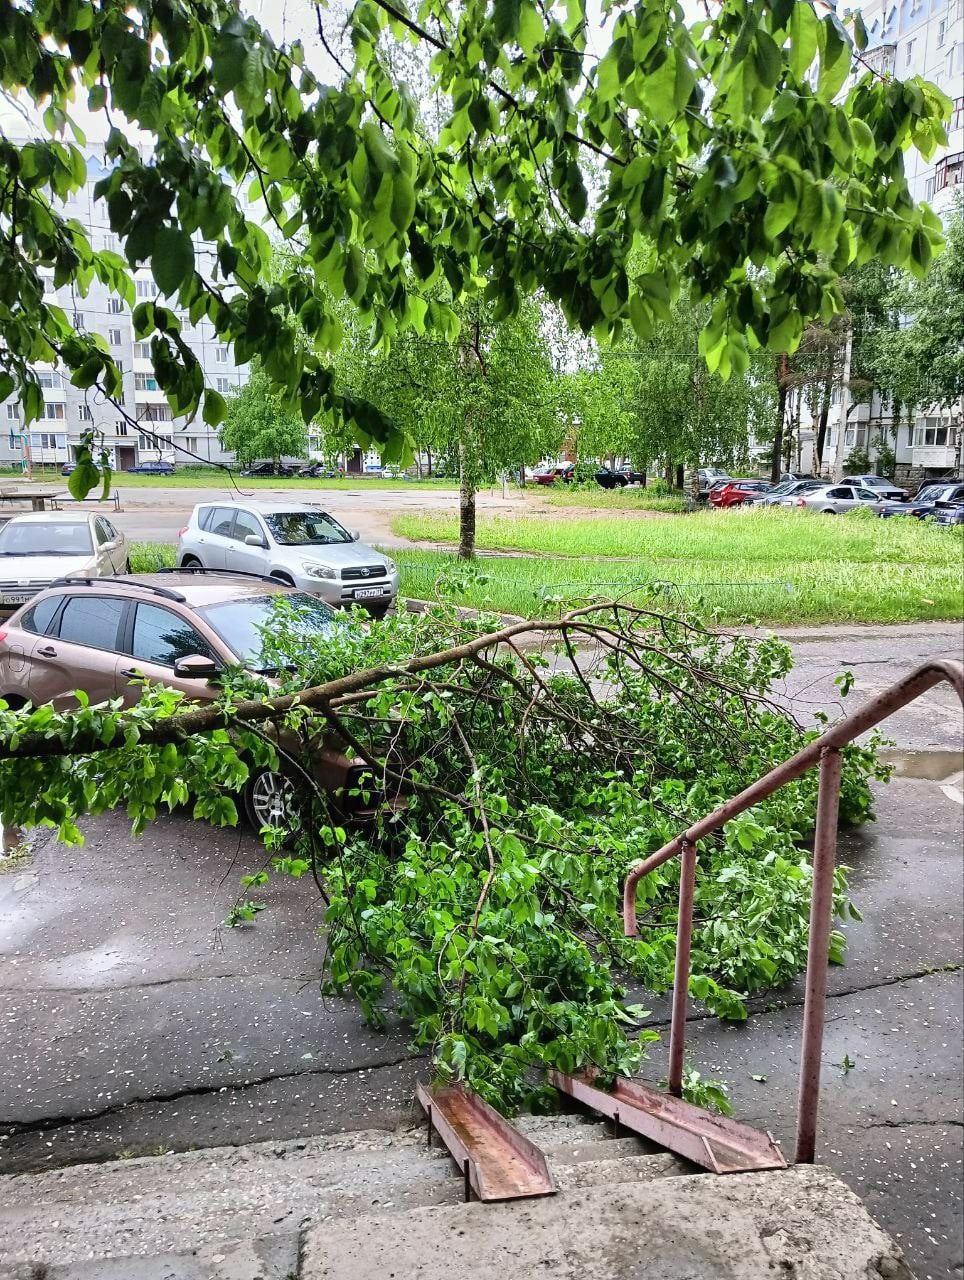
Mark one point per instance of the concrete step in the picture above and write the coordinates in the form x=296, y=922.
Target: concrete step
x=562, y=1128
x=216, y=1200
x=796, y=1222
x=602, y=1171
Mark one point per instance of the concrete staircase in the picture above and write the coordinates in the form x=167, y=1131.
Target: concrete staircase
x=375, y=1204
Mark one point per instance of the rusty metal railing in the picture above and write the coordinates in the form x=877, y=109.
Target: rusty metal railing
x=823, y=752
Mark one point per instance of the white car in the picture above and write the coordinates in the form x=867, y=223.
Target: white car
x=293, y=543
x=832, y=499
x=38, y=549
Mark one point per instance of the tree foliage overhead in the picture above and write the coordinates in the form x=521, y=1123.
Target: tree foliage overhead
x=260, y=425
x=728, y=144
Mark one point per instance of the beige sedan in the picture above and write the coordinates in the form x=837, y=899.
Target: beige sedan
x=38, y=549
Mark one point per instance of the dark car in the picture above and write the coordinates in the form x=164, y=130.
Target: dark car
x=320, y=471
x=606, y=478
x=886, y=488
x=631, y=475
x=152, y=469
x=947, y=514
x=925, y=502
x=268, y=469
x=68, y=468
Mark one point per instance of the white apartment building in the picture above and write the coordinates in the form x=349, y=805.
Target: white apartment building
x=910, y=38
x=68, y=410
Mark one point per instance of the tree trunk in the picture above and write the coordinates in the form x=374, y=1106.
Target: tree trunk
x=822, y=420
x=668, y=473
x=680, y=476
x=522, y=475
x=783, y=371
x=466, y=501
x=428, y=454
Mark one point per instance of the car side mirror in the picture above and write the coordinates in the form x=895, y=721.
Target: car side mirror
x=355, y=535
x=196, y=667
x=254, y=540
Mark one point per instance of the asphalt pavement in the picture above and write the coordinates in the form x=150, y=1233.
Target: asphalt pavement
x=133, y=1021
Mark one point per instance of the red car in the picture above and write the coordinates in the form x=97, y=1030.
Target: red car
x=549, y=475
x=737, y=492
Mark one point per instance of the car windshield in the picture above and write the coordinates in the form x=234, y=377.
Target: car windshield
x=305, y=529
x=247, y=625
x=53, y=538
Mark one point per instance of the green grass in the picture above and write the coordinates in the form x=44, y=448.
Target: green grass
x=614, y=499
x=779, y=566
x=148, y=557
x=214, y=477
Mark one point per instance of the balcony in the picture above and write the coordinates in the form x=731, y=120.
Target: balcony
x=934, y=456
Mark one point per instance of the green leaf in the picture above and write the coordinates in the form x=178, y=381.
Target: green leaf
x=6, y=384
x=834, y=58
x=531, y=29
x=215, y=408
x=172, y=260
x=804, y=28
x=82, y=480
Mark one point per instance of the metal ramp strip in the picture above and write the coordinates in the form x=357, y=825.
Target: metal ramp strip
x=715, y=1142
x=497, y=1161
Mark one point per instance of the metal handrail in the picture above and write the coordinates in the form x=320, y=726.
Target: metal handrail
x=825, y=753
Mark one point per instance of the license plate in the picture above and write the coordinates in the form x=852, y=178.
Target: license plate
x=17, y=597
x=368, y=593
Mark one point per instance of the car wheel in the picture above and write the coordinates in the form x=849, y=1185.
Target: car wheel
x=191, y=562
x=127, y=566
x=272, y=800
x=829, y=511
x=378, y=611
x=283, y=579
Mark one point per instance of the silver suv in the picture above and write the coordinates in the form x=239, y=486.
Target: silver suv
x=299, y=545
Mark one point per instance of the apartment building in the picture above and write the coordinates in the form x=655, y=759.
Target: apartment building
x=68, y=411
x=913, y=38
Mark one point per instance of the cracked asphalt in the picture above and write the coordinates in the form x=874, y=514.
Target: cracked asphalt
x=133, y=1022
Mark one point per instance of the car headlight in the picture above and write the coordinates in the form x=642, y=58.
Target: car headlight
x=390, y=565
x=315, y=570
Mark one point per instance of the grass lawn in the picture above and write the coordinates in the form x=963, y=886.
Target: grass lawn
x=214, y=477
x=775, y=566
x=628, y=499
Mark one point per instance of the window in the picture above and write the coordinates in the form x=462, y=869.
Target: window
x=121, y=425
x=116, y=306
x=850, y=437
x=92, y=621
x=47, y=378
x=245, y=524
x=13, y=411
x=161, y=636
x=142, y=351
x=102, y=533
x=114, y=337
x=908, y=53
x=941, y=30
x=145, y=382
x=929, y=187
x=220, y=522
x=15, y=443
x=39, y=618
x=224, y=384
x=146, y=289
x=157, y=413
x=53, y=411
x=79, y=320
x=84, y=413
x=839, y=493
x=957, y=114
x=221, y=355
x=44, y=440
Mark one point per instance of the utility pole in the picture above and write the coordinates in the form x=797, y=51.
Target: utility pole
x=845, y=407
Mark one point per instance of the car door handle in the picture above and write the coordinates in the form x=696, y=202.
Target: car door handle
x=131, y=672
x=48, y=651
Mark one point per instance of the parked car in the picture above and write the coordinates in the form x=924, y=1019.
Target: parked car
x=320, y=471
x=152, y=469
x=833, y=499
x=789, y=476
x=708, y=477
x=40, y=548
x=631, y=475
x=923, y=504
x=783, y=495
x=737, y=492
x=299, y=545
x=68, y=468
x=103, y=636
x=606, y=478
x=268, y=469
x=947, y=514
x=884, y=488
x=558, y=471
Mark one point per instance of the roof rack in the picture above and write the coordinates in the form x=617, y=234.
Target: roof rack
x=232, y=573
x=99, y=582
